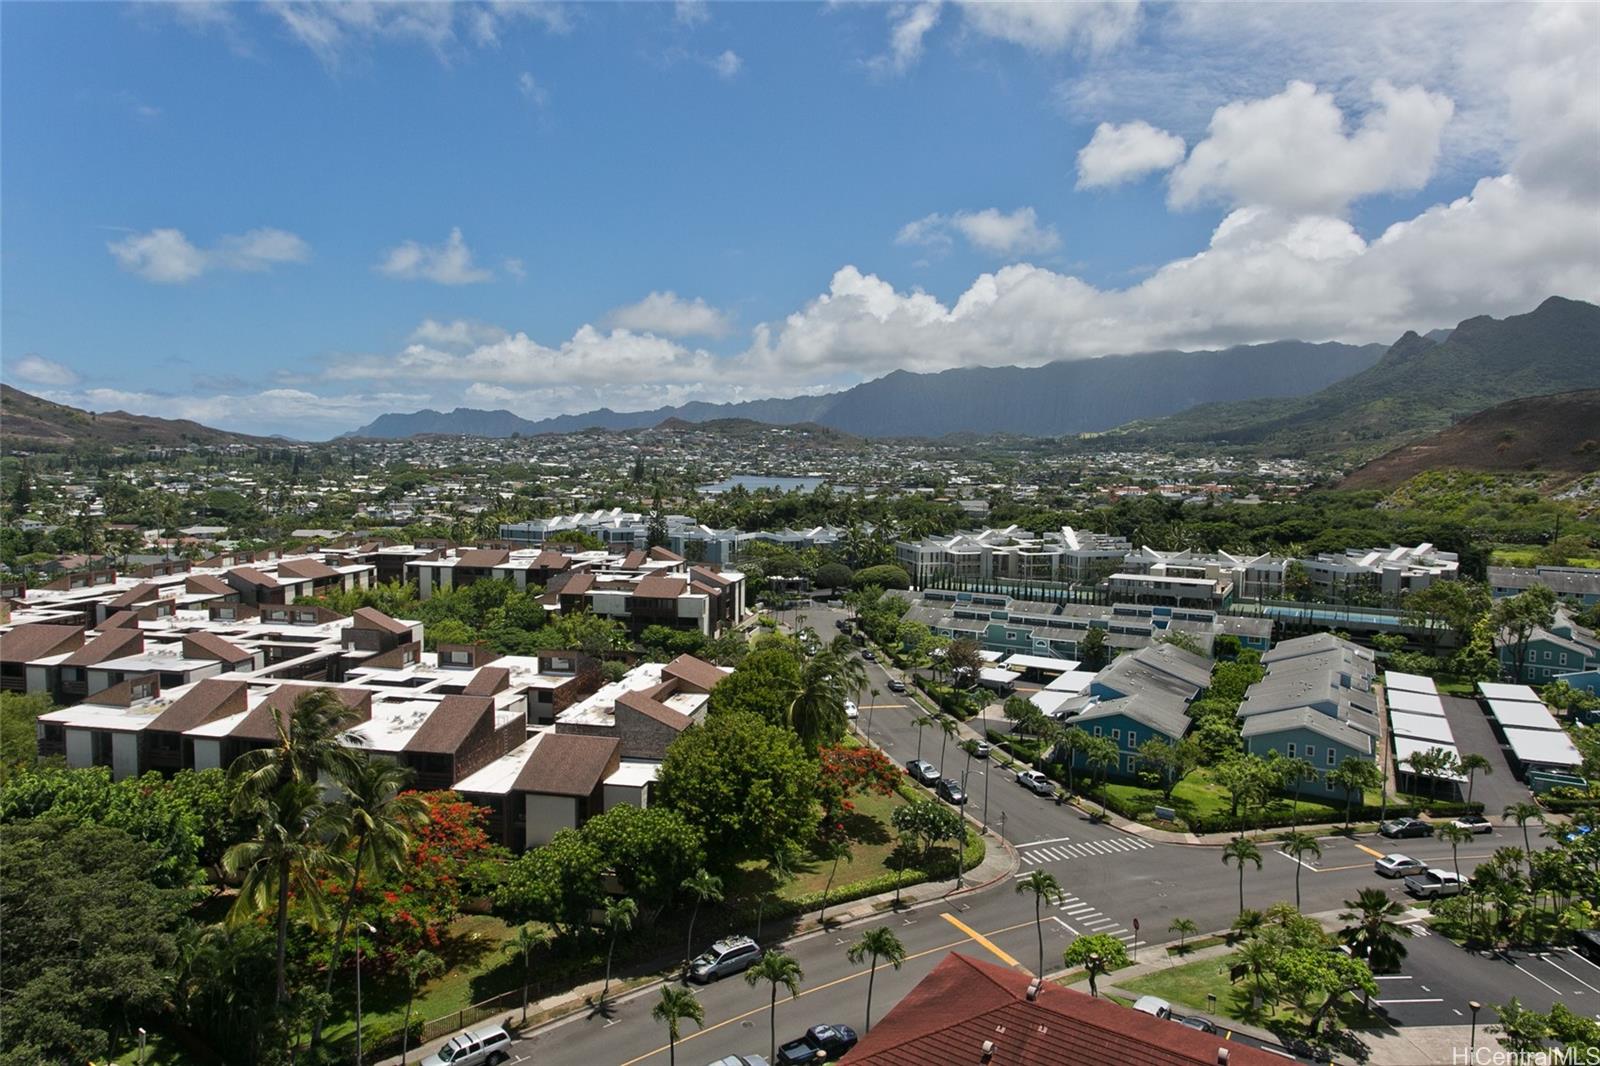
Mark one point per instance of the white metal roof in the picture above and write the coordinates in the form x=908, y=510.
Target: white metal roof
x=1073, y=682
x=1543, y=748
x=1405, y=747
x=1514, y=714
x=1020, y=661
x=1414, y=702
x=497, y=778
x=1495, y=690
x=1421, y=727
x=1395, y=679
x=633, y=773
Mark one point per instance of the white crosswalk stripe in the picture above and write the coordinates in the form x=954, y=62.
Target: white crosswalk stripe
x=1063, y=851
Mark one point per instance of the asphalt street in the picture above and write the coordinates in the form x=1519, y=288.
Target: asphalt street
x=1113, y=882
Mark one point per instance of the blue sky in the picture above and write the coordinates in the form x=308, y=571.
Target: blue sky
x=290, y=218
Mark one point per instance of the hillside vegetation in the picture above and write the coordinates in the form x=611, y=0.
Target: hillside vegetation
x=31, y=423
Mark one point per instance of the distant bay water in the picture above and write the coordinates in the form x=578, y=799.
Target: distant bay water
x=752, y=482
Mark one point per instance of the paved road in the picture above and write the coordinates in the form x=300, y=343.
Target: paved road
x=1470, y=727
x=1110, y=880
x=1439, y=980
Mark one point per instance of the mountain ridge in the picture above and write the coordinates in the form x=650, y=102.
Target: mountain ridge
x=1063, y=397
x=32, y=422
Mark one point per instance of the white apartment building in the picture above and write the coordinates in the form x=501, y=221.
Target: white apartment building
x=1012, y=554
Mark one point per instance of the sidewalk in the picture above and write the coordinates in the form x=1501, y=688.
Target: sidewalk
x=1000, y=861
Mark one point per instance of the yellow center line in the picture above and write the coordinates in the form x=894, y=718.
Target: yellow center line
x=979, y=938
x=1369, y=851
x=830, y=984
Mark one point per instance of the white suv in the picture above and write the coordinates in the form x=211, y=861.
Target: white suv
x=475, y=1047
x=726, y=957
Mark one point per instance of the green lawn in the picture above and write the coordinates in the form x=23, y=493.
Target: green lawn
x=1198, y=797
x=1188, y=985
x=1529, y=555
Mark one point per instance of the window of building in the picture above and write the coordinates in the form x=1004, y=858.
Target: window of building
x=1116, y=734
x=1133, y=739
x=1311, y=751
x=1096, y=730
x=1288, y=749
x=1330, y=756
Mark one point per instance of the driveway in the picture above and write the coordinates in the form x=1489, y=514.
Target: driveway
x=1497, y=790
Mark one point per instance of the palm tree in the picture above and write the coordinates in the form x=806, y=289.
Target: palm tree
x=1069, y=742
x=1248, y=924
x=1241, y=850
x=1455, y=836
x=1470, y=764
x=1375, y=934
x=310, y=740
x=381, y=818
x=878, y=942
x=1101, y=754
x=674, y=1006
x=875, y=693
x=417, y=967
x=1185, y=928
x=1258, y=955
x=1045, y=889
x=835, y=847
x=288, y=855
x=948, y=727
x=705, y=887
x=776, y=969
x=1296, y=771
x=620, y=914
x=921, y=721
x=1295, y=845
x=527, y=940
x=1523, y=813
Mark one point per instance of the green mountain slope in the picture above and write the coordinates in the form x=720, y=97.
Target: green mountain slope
x=31, y=423
x=1419, y=386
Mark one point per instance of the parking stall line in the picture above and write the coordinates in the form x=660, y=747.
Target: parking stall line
x=1541, y=980
x=1572, y=975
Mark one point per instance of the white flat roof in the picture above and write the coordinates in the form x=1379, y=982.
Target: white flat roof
x=1040, y=662
x=1421, y=727
x=633, y=773
x=597, y=709
x=394, y=722
x=1073, y=682
x=1514, y=714
x=1395, y=679
x=1405, y=747
x=1050, y=701
x=221, y=727
x=1544, y=748
x=1495, y=690
x=996, y=673
x=497, y=778
x=118, y=719
x=1414, y=702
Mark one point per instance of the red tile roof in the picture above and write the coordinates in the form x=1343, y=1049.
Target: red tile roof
x=965, y=1002
x=569, y=764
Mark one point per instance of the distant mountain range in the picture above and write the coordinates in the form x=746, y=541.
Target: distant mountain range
x=1071, y=396
x=1420, y=385
x=33, y=423
x=1557, y=434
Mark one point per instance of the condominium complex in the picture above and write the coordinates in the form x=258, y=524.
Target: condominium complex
x=626, y=530
x=1014, y=554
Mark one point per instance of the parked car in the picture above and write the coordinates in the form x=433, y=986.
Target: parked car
x=1433, y=883
x=896, y=685
x=950, y=790
x=1194, y=1021
x=1586, y=942
x=832, y=1041
x=1406, y=827
x=734, y=955
x=1154, y=1006
x=869, y=655
x=923, y=771
x=851, y=711
x=484, y=1046
x=1477, y=823
x=1034, y=781
x=742, y=1060
x=1397, y=865
x=980, y=748
x=842, y=624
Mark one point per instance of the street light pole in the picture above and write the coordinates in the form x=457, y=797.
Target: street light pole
x=985, y=804
x=1472, y=1041
x=142, y=1035
x=359, y=926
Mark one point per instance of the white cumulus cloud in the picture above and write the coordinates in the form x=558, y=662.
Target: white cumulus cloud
x=908, y=25
x=727, y=64
x=166, y=256
x=990, y=230
x=668, y=314
x=1116, y=154
x=1090, y=25
x=449, y=263
x=38, y=370
x=1291, y=150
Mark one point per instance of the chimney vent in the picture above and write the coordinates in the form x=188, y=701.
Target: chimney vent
x=988, y=1051
x=1033, y=989
x=1222, y=1056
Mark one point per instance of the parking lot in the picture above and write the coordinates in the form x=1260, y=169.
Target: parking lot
x=1439, y=979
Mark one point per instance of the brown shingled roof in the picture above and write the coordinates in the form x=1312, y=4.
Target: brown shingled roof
x=306, y=568
x=371, y=618
x=634, y=559
x=965, y=1002
x=211, y=646
x=577, y=584
x=569, y=764
x=122, y=694
x=660, y=587
x=695, y=672
x=258, y=724
x=705, y=573
x=140, y=593
x=654, y=709
x=254, y=576
x=207, y=583
x=661, y=554
x=450, y=724
x=112, y=644
x=482, y=557
x=206, y=701
x=35, y=640
x=120, y=620
x=551, y=560
x=488, y=681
